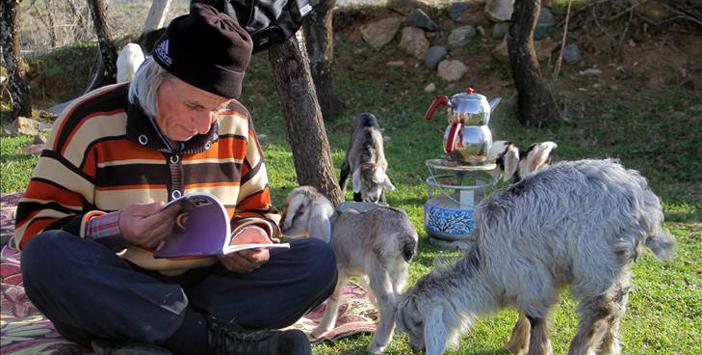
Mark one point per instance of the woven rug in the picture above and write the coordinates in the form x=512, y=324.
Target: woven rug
x=24, y=330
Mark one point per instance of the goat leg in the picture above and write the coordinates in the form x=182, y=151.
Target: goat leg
x=519, y=341
x=333, y=302
x=539, y=344
x=382, y=288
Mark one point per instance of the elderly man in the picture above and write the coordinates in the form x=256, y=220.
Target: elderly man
x=94, y=210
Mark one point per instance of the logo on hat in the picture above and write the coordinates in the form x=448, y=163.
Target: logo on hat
x=162, y=52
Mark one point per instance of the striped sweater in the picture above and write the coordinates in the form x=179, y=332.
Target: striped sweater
x=104, y=154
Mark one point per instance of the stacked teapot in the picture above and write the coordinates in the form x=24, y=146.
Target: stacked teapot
x=467, y=139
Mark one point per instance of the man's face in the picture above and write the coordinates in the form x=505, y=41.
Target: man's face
x=185, y=111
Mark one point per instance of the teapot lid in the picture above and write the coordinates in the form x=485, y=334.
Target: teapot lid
x=469, y=94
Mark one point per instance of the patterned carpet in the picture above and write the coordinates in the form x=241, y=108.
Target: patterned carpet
x=24, y=330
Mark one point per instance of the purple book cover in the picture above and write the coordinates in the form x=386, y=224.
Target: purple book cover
x=202, y=227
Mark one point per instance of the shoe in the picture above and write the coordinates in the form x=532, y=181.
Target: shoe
x=228, y=338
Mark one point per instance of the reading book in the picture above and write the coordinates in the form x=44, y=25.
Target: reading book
x=202, y=228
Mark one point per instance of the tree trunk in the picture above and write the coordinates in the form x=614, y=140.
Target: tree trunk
x=106, y=71
x=156, y=16
x=303, y=117
x=10, y=43
x=535, y=101
x=319, y=34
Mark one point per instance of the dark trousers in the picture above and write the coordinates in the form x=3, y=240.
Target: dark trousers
x=88, y=292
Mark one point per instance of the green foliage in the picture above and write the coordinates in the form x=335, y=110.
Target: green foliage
x=63, y=73
x=16, y=167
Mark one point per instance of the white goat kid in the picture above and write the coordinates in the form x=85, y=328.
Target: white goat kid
x=377, y=244
x=365, y=161
x=128, y=61
x=580, y=223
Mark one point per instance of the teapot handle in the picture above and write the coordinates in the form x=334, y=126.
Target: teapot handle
x=438, y=101
x=456, y=129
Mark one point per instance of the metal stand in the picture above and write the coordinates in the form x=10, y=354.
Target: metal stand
x=448, y=215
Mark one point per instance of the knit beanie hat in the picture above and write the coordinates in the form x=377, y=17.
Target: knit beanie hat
x=206, y=49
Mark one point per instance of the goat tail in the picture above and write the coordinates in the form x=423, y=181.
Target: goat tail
x=408, y=247
x=662, y=244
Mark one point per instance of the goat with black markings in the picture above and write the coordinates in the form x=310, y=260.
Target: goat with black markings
x=580, y=224
x=365, y=161
x=377, y=244
x=513, y=163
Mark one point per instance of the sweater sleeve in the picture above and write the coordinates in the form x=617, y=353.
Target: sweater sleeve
x=254, y=204
x=61, y=191
x=54, y=199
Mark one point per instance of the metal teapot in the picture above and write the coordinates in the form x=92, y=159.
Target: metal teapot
x=467, y=138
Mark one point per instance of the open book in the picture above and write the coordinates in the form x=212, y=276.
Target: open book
x=202, y=228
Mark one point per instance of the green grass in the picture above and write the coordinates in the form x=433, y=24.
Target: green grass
x=655, y=131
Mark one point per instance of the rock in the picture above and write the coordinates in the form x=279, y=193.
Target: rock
x=38, y=139
x=451, y=70
x=591, y=71
x=500, y=30
x=461, y=10
x=395, y=63
x=24, y=125
x=500, y=52
x=545, y=48
x=45, y=127
x=481, y=31
x=476, y=19
x=380, y=33
x=434, y=55
x=58, y=109
x=419, y=18
x=572, y=53
x=499, y=10
x=34, y=149
x=654, y=10
x=414, y=42
x=430, y=88
x=544, y=24
x=460, y=36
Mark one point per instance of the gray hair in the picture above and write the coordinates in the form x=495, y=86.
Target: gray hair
x=144, y=86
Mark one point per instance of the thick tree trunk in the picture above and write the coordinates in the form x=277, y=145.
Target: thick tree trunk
x=319, y=34
x=10, y=43
x=535, y=101
x=106, y=71
x=303, y=117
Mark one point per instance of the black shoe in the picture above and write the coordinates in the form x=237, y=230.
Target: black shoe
x=228, y=338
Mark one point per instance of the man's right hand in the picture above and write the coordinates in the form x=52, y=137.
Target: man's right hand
x=147, y=224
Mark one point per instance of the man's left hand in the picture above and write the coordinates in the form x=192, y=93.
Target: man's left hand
x=251, y=259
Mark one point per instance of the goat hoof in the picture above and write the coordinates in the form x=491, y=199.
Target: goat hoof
x=374, y=348
x=318, y=332
x=517, y=349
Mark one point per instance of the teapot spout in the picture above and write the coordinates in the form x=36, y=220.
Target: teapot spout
x=494, y=102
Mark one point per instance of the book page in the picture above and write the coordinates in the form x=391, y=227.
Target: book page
x=202, y=227
x=239, y=247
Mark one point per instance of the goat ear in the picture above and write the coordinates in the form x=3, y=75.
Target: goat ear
x=510, y=161
x=538, y=157
x=435, y=334
x=356, y=181
x=387, y=184
x=318, y=223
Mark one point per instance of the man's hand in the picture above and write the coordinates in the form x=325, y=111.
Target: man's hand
x=147, y=224
x=251, y=259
